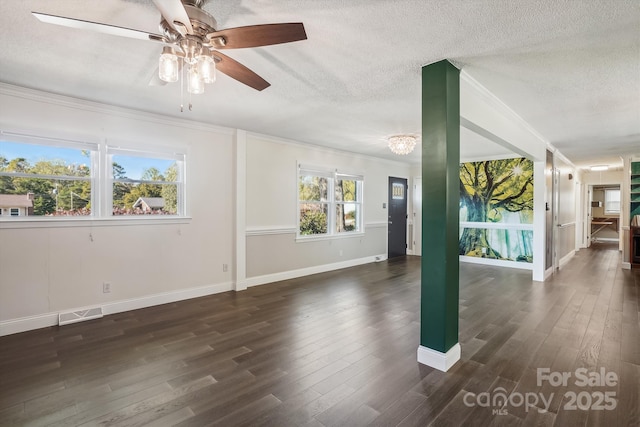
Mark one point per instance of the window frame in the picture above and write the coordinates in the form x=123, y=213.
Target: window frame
x=359, y=183
x=607, y=210
x=61, y=143
x=100, y=180
x=160, y=153
x=332, y=176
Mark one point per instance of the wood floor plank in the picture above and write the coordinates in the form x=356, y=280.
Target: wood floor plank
x=337, y=348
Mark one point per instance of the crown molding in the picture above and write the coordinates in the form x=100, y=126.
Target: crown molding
x=86, y=105
x=299, y=144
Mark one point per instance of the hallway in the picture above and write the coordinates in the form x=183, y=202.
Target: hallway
x=338, y=349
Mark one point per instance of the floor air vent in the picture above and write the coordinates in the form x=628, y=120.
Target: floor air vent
x=79, y=316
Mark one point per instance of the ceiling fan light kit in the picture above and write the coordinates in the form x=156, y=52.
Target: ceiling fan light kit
x=191, y=43
x=402, y=144
x=168, y=66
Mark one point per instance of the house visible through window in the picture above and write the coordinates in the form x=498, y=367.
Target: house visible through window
x=329, y=203
x=611, y=201
x=48, y=177
x=146, y=183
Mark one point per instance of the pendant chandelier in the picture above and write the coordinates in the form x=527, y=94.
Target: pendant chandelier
x=402, y=144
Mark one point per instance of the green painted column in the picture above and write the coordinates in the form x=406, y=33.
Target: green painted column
x=440, y=215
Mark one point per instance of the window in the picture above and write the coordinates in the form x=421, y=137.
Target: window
x=48, y=177
x=611, y=201
x=329, y=203
x=145, y=183
x=348, y=191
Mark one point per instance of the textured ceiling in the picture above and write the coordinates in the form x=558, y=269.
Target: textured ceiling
x=571, y=69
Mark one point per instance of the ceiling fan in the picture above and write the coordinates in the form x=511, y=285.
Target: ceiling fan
x=192, y=42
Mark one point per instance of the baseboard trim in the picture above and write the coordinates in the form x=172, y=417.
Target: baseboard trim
x=292, y=274
x=22, y=324
x=497, y=262
x=14, y=326
x=565, y=259
x=626, y=265
x=548, y=273
x=165, y=298
x=440, y=361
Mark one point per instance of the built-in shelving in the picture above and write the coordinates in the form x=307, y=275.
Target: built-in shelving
x=634, y=209
x=635, y=190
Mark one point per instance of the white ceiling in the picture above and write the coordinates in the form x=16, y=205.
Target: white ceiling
x=571, y=69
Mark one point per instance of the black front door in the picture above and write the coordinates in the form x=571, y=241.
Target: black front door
x=397, y=243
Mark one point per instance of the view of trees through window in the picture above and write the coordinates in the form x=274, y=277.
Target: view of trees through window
x=55, y=187
x=346, y=191
x=315, y=204
x=50, y=180
x=314, y=209
x=154, y=193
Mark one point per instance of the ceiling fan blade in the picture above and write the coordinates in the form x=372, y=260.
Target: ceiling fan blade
x=174, y=13
x=236, y=70
x=257, y=35
x=98, y=27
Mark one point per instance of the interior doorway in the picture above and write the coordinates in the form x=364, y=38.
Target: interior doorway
x=603, y=214
x=397, y=222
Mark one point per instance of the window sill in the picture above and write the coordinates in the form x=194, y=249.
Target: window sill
x=303, y=239
x=60, y=222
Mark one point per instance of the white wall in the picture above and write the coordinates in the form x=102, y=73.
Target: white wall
x=271, y=206
x=49, y=269
x=566, y=198
x=602, y=178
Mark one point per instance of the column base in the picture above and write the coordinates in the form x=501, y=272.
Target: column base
x=440, y=361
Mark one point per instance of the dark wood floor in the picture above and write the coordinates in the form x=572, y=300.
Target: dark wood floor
x=338, y=349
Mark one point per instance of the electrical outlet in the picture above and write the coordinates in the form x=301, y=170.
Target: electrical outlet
x=106, y=287
x=225, y=267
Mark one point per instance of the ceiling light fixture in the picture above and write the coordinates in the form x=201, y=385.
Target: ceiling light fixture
x=599, y=168
x=192, y=44
x=196, y=62
x=402, y=144
x=168, y=65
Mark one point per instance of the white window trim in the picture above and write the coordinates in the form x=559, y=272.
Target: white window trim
x=333, y=175
x=606, y=202
x=141, y=151
x=101, y=184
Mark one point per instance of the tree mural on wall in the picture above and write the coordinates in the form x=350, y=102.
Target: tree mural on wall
x=487, y=190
